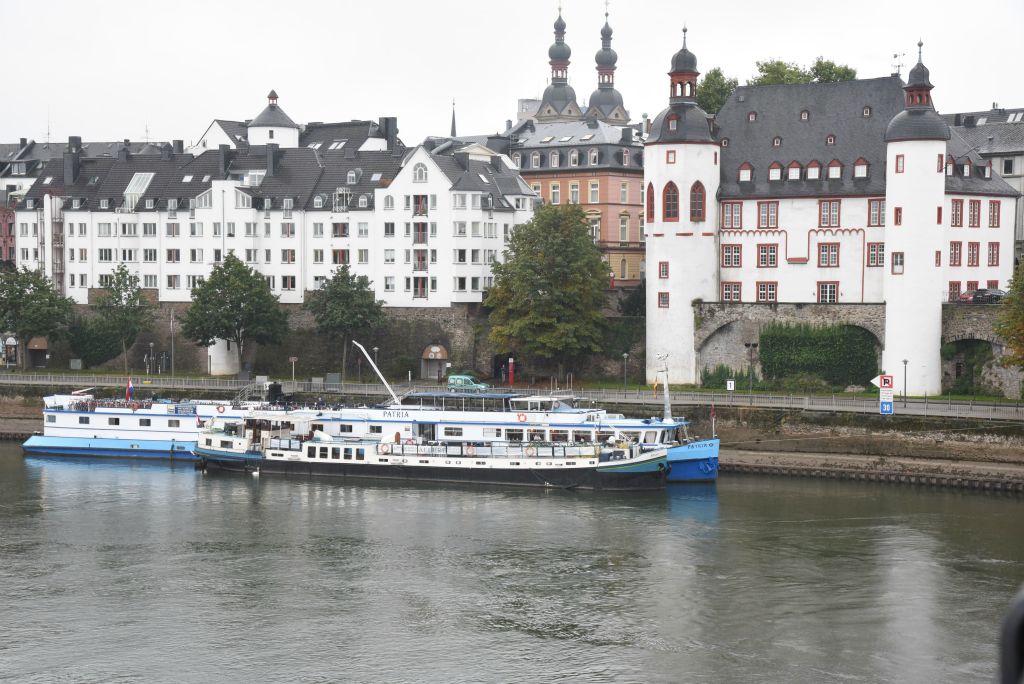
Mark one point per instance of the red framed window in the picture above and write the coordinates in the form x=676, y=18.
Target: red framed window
x=731, y=292
x=899, y=163
x=732, y=256
x=993, y=213
x=938, y=216
x=663, y=269
x=828, y=255
x=974, y=214
x=876, y=254
x=938, y=257
x=940, y=164
x=828, y=292
x=828, y=213
x=993, y=254
x=767, y=291
x=956, y=218
x=732, y=214
x=670, y=203
x=897, y=216
x=992, y=284
x=955, y=249
x=876, y=212
x=768, y=255
x=650, y=203
x=663, y=300
x=973, y=254
x=697, y=196
x=954, y=290
x=897, y=263
x=971, y=285
x=767, y=214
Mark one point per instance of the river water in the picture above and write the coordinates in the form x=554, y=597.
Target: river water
x=112, y=571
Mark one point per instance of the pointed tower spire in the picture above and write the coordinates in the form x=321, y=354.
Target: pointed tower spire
x=559, y=99
x=453, y=118
x=606, y=102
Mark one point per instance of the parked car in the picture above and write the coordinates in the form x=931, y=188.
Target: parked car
x=983, y=296
x=461, y=383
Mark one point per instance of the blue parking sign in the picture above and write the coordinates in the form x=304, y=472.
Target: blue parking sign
x=885, y=408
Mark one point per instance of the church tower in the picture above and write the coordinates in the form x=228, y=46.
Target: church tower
x=559, y=100
x=681, y=178
x=272, y=125
x=606, y=102
x=914, y=290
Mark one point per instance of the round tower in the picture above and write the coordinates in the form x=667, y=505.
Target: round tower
x=272, y=125
x=681, y=177
x=914, y=283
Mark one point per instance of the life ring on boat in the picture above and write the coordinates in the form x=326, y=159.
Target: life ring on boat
x=135, y=406
x=470, y=450
x=220, y=408
x=385, y=448
x=521, y=417
x=531, y=451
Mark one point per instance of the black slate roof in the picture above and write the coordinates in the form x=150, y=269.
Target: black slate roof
x=373, y=170
x=993, y=138
x=355, y=132
x=273, y=115
x=835, y=109
x=959, y=150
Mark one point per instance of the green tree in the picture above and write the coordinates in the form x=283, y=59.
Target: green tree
x=714, y=89
x=31, y=307
x=344, y=306
x=1010, y=323
x=548, y=293
x=92, y=340
x=234, y=304
x=124, y=310
x=634, y=303
x=826, y=71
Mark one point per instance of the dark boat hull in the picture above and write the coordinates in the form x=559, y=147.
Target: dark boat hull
x=577, y=478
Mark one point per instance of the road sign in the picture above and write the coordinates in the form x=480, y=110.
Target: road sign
x=883, y=381
x=293, y=359
x=730, y=385
x=885, y=401
x=885, y=408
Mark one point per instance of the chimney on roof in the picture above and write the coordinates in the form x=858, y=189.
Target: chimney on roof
x=496, y=162
x=271, y=158
x=178, y=146
x=72, y=160
x=958, y=119
x=508, y=124
x=389, y=129
x=122, y=153
x=22, y=142
x=969, y=121
x=627, y=136
x=498, y=143
x=462, y=158
x=165, y=151
x=127, y=142
x=995, y=106
x=223, y=158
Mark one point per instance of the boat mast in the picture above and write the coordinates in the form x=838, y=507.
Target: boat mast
x=667, y=415
x=377, y=371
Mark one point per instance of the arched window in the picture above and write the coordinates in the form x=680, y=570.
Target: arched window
x=350, y=178
x=517, y=160
x=574, y=158
x=535, y=160
x=622, y=269
x=625, y=157
x=389, y=202
x=670, y=203
x=318, y=202
x=553, y=160
x=363, y=202
x=593, y=157
x=650, y=202
x=419, y=173
x=697, y=195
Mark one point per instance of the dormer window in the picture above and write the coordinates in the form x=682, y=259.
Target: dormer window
x=574, y=158
x=363, y=202
x=860, y=168
x=746, y=171
x=625, y=157
x=949, y=168
x=553, y=160
x=805, y=115
x=104, y=204
x=31, y=204
x=517, y=160
x=752, y=117
x=76, y=203
x=593, y=157
x=725, y=142
x=149, y=203
x=775, y=171
x=830, y=140
x=835, y=169
x=350, y=177
x=535, y=160
x=318, y=202
x=988, y=170
x=793, y=172
x=813, y=171
x=776, y=141
x=673, y=123
x=419, y=174
x=967, y=169
x=866, y=112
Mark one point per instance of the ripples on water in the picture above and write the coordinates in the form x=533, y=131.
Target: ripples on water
x=123, y=572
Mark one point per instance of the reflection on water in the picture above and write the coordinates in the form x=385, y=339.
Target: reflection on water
x=146, y=571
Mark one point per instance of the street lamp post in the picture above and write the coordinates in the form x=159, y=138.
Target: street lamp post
x=905, y=361
x=625, y=358
x=375, y=355
x=150, y=360
x=751, y=348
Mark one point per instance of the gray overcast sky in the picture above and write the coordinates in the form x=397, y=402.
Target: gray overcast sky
x=103, y=70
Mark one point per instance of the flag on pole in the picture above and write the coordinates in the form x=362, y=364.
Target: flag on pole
x=712, y=410
x=654, y=390
x=129, y=391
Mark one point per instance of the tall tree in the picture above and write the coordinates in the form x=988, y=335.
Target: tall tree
x=124, y=309
x=234, y=304
x=714, y=89
x=547, y=295
x=31, y=307
x=826, y=71
x=1010, y=323
x=343, y=306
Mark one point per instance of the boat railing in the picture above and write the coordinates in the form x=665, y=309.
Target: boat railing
x=505, y=450
x=93, y=404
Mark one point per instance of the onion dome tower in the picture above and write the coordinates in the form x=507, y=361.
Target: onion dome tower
x=272, y=125
x=559, y=100
x=914, y=285
x=606, y=102
x=681, y=179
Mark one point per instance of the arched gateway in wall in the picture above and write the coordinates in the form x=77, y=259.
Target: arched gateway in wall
x=434, y=362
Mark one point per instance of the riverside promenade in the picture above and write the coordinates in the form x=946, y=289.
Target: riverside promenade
x=836, y=403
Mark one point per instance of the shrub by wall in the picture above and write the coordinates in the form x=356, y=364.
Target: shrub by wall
x=840, y=354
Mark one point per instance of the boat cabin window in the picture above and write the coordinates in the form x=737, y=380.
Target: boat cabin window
x=492, y=432
x=336, y=453
x=113, y=421
x=344, y=428
x=51, y=419
x=583, y=435
x=317, y=427
x=311, y=452
x=559, y=435
x=651, y=437
x=535, y=436
x=144, y=422
x=348, y=454
x=360, y=454
x=323, y=452
x=83, y=420
x=666, y=436
x=514, y=435
x=173, y=422
x=630, y=436
x=225, y=444
x=453, y=432
x=376, y=429
x=604, y=435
